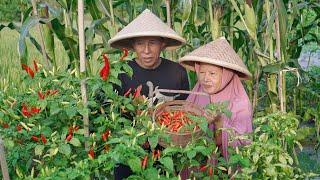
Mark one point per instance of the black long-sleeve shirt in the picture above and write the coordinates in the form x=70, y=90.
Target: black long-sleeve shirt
x=168, y=75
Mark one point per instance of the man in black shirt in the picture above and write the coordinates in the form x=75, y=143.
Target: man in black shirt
x=147, y=36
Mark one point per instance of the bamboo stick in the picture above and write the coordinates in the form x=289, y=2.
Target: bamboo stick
x=181, y=91
x=3, y=162
x=168, y=13
x=83, y=67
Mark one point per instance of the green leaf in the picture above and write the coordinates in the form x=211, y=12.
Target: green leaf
x=130, y=107
x=191, y=154
x=24, y=32
x=38, y=150
x=127, y=69
x=65, y=149
x=245, y=162
x=273, y=68
x=167, y=162
x=185, y=6
x=170, y=150
x=114, y=81
x=75, y=142
x=83, y=111
x=203, y=126
x=71, y=112
x=153, y=141
x=135, y=164
x=54, y=109
x=151, y=173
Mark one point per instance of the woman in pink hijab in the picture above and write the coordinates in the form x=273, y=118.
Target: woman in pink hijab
x=219, y=70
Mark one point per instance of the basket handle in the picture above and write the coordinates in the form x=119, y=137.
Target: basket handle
x=181, y=91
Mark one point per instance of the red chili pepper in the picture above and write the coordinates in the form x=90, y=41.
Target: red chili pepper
x=28, y=70
x=25, y=111
x=91, y=153
x=137, y=92
x=35, y=110
x=127, y=93
x=144, y=162
x=35, y=65
x=35, y=138
x=43, y=139
x=156, y=154
x=125, y=54
x=19, y=128
x=70, y=130
x=69, y=137
x=105, y=135
x=210, y=171
x=48, y=92
x=203, y=168
x=76, y=128
x=54, y=92
x=104, y=72
x=5, y=125
x=40, y=95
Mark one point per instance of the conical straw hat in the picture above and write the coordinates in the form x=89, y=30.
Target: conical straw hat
x=218, y=52
x=146, y=24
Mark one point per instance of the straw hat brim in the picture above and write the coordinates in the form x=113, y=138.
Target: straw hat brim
x=125, y=41
x=146, y=24
x=189, y=63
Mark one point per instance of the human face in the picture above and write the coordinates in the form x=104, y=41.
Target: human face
x=210, y=77
x=148, y=51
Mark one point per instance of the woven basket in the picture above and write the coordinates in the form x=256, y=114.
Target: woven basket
x=181, y=138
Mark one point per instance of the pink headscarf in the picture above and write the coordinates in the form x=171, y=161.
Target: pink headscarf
x=231, y=90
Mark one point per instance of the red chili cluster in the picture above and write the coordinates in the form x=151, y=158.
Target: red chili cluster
x=137, y=92
x=28, y=112
x=42, y=137
x=29, y=70
x=49, y=92
x=204, y=168
x=156, y=155
x=70, y=132
x=174, y=121
x=105, y=135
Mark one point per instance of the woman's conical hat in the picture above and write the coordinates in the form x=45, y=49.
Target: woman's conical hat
x=146, y=24
x=218, y=52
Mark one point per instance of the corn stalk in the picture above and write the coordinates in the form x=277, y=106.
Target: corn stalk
x=281, y=44
x=214, y=16
x=272, y=78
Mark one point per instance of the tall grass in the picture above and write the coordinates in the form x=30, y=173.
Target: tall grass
x=10, y=68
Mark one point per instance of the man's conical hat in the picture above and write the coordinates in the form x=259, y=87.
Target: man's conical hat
x=146, y=24
x=218, y=52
